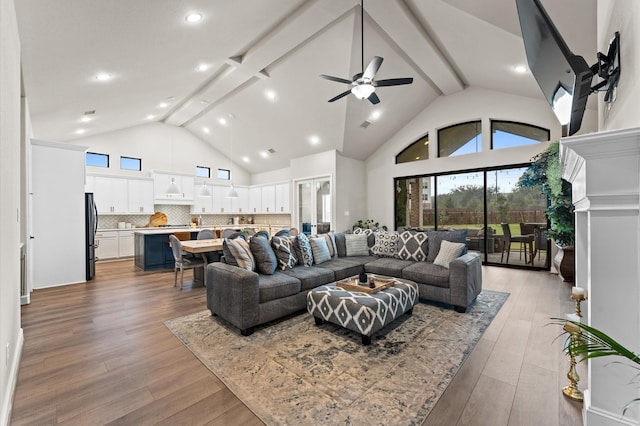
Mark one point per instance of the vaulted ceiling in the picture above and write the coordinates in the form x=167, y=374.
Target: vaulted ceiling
x=252, y=48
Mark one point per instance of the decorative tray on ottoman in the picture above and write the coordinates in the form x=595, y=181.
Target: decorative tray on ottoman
x=351, y=284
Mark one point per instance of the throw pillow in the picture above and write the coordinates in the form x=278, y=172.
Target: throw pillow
x=448, y=252
x=320, y=250
x=305, y=250
x=357, y=245
x=413, y=246
x=241, y=253
x=386, y=244
x=341, y=245
x=436, y=238
x=282, y=233
x=266, y=260
x=284, y=252
x=228, y=257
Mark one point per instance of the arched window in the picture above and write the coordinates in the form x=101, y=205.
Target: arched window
x=419, y=150
x=507, y=134
x=459, y=139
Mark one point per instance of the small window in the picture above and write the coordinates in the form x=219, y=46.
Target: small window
x=460, y=139
x=204, y=172
x=507, y=134
x=130, y=163
x=94, y=159
x=419, y=150
x=224, y=174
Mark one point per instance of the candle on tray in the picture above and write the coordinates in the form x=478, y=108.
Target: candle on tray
x=577, y=293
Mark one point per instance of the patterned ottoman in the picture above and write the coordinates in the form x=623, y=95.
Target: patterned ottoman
x=359, y=311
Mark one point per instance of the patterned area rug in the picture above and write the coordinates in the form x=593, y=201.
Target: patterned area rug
x=294, y=372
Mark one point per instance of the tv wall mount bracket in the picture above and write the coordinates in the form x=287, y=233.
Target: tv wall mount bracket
x=608, y=69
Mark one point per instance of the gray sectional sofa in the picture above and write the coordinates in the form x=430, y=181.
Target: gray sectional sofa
x=246, y=298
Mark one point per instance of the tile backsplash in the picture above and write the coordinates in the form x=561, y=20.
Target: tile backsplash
x=181, y=215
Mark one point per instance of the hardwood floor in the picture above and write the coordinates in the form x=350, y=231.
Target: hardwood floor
x=99, y=353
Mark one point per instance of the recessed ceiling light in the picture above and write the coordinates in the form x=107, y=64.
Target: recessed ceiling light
x=271, y=95
x=222, y=121
x=163, y=105
x=150, y=117
x=202, y=67
x=246, y=159
x=103, y=76
x=206, y=130
x=314, y=140
x=194, y=17
x=80, y=131
x=86, y=118
x=264, y=154
x=520, y=69
x=376, y=114
x=204, y=101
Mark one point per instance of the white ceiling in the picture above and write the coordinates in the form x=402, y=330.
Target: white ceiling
x=253, y=46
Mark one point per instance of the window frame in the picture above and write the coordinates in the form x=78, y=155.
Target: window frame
x=228, y=174
x=421, y=139
x=100, y=155
x=203, y=168
x=491, y=127
x=125, y=157
x=440, y=130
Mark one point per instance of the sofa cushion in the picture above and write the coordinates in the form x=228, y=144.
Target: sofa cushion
x=413, y=246
x=427, y=273
x=386, y=244
x=356, y=245
x=362, y=260
x=448, y=252
x=277, y=286
x=320, y=250
x=240, y=252
x=284, y=251
x=306, y=254
x=311, y=276
x=341, y=244
x=436, y=237
x=343, y=267
x=387, y=266
x=266, y=260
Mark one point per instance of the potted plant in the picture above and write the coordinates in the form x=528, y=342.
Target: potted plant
x=546, y=171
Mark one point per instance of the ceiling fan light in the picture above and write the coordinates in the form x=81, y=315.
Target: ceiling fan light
x=363, y=91
x=172, y=188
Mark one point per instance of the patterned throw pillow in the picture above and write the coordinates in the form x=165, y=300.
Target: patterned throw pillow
x=320, y=250
x=284, y=252
x=357, y=245
x=413, y=246
x=305, y=250
x=436, y=238
x=386, y=244
x=241, y=253
x=266, y=260
x=371, y=238
x=448, y=252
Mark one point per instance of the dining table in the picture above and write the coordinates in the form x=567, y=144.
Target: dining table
x=201, y=248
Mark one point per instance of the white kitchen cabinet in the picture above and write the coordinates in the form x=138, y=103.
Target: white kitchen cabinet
x=202, y=204
x=268, y=199
x=161, y=181
x=255, y=200
x=110, y=195
x=282, y=198
x=125, y=243
x=140, y=195
x=106, y=245
x=221, y=203
x=241, y=204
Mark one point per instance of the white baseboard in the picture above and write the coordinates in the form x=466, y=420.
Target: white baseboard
x=594, y=416
x=25, y=300
x=7, y=402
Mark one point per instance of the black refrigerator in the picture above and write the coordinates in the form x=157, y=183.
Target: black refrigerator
x=91, y=226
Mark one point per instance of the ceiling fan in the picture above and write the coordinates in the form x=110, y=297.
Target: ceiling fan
x=363, y=83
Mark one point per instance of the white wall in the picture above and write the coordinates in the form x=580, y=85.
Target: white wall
x=161, y=147
x=10, y=332
x=351, y=195
x=622, y=16
x=471, y=104
x=273, y=176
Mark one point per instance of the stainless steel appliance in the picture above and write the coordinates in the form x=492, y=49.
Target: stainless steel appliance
x=91, y=225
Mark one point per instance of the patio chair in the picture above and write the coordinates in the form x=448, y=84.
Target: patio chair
x=507, y=239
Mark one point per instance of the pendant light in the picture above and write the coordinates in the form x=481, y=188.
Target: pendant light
x=232, y=191
x=172, y=188
x=204, y=190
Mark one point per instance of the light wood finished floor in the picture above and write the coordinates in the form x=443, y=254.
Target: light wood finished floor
x=99, y=353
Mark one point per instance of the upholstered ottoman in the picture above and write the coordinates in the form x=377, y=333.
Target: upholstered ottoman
x=360, y=311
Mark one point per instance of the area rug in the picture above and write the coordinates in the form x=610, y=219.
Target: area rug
x=294, y=372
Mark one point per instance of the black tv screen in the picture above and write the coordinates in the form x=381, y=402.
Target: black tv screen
x=565, y=78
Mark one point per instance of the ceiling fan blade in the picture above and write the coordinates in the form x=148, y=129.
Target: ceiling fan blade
x=373, y=98
x=392, y=82
x=336, y=79
x=372, y=68
x=341, y=95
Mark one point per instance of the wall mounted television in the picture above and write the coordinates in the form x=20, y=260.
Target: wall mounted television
x=565, y=78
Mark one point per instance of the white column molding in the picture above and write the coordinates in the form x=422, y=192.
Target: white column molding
x=604, y=169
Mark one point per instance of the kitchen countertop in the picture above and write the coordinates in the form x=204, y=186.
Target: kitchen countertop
x=170, y=230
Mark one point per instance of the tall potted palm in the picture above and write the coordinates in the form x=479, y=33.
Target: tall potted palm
x=546, y=171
